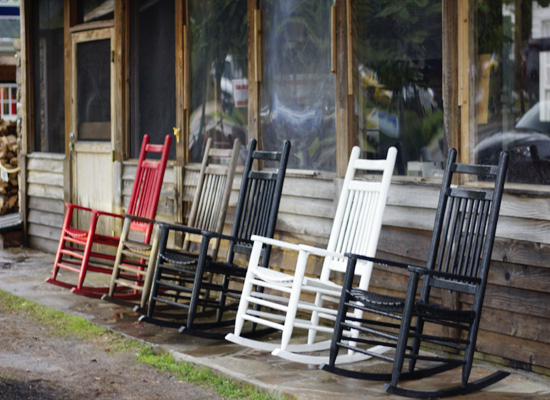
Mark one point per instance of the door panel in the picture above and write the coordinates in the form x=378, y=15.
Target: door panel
x=92, y=124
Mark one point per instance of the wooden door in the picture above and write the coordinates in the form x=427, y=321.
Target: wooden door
x=93, y=121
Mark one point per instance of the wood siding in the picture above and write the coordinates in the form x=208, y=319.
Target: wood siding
x=45, y=190
x=517, y=305
x=45, y=200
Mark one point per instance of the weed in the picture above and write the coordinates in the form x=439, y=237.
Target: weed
x=77, y=327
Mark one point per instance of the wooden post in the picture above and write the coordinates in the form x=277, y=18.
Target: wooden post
x=253, y=85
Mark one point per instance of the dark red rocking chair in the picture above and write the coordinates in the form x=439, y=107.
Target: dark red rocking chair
x=76, y=251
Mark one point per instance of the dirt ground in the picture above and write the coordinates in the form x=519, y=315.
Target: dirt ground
x=35, y=365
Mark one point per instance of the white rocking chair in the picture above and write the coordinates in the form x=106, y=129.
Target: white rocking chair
x=272, y=298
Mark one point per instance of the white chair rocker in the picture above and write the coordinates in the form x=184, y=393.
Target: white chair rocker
x=272, y=298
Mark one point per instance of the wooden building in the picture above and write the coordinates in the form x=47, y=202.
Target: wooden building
x=96, y=75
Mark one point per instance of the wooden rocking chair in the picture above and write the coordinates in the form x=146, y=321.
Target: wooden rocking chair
x=213, y=286
x=137, y=258
x=76, y=251
x=458, y=260
x=357, y=224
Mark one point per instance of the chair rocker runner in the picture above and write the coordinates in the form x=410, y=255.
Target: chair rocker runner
x=356, y=228
x=209, y=284
x=208, y=210
x=77, y=249
x=458, y=260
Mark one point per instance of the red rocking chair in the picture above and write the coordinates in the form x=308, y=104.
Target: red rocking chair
x=75, y=252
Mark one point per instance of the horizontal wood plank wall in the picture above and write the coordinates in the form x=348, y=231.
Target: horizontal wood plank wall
x=45, y=200
x=515, y=326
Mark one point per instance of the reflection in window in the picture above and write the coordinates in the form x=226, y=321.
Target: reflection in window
x=153, y=72
x=8, y=100
x=219, y=67
x=398, y=86
x=94, y=10
x=48, y=76
x=513, y=87
x=298, y=89
x=93, y=90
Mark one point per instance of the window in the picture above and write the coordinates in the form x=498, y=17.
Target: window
x=398, y=82
x=219, y=71
x=94, y=10
x=153, y=76
x=48, y=76
x=93, y=83
x=512, y=96
x=8, y=101
x=298, y=90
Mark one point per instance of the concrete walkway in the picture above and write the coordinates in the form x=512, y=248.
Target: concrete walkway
x=22, y=272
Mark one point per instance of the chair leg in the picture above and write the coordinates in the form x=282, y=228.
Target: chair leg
x=151, y=268
x=197, y=286
x=61, y=245
x=416, y=343
x=294, y=299
x=404, y=330
x=116, y=270
x=247, y=287
x=87, y=252
x=312, y=333
x=341, y=315
x=223, y=298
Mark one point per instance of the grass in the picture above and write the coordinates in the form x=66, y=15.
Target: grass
x=75, y=327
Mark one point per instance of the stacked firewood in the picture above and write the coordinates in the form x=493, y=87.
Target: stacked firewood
x=9, y=185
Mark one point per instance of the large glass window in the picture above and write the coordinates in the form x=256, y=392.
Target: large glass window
x=48, y=76
x=153, y=76
x=398, y=82
x=94, y=10
x=219, y=68
x=512, y=98
x=93, y=84
x=298, y=89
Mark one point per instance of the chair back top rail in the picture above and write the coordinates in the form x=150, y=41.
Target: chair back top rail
x=209, y=206
x=259, y=197
x=359, y=213
x=145, y=193
x=465, y=227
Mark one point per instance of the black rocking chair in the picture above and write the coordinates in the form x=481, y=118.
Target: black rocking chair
x=211, y=285
x=458, y=260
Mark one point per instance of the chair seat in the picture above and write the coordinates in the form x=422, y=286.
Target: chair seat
x=438, y=311
x=379, y=301
x=76, y=233
x=384, y=302
x=269, y=275
x=178, y=258
x=138, y=247
x=226, y=268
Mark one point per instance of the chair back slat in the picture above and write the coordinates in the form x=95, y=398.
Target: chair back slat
x=465, y=226
x=259, y=198
x=148, y=183
x=358, y=216
x=209, y=206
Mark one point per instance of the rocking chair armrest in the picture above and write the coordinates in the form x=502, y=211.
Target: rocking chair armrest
x=229, y=238
x=320, y=252
x=108, y=214
x=71, y=205
x=140, y=219
x=380, y=261
x=443, y=275
x=179, y=228
x=92, y=210
x=275, y=242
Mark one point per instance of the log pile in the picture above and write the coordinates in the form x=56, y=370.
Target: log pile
x=9, y=185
